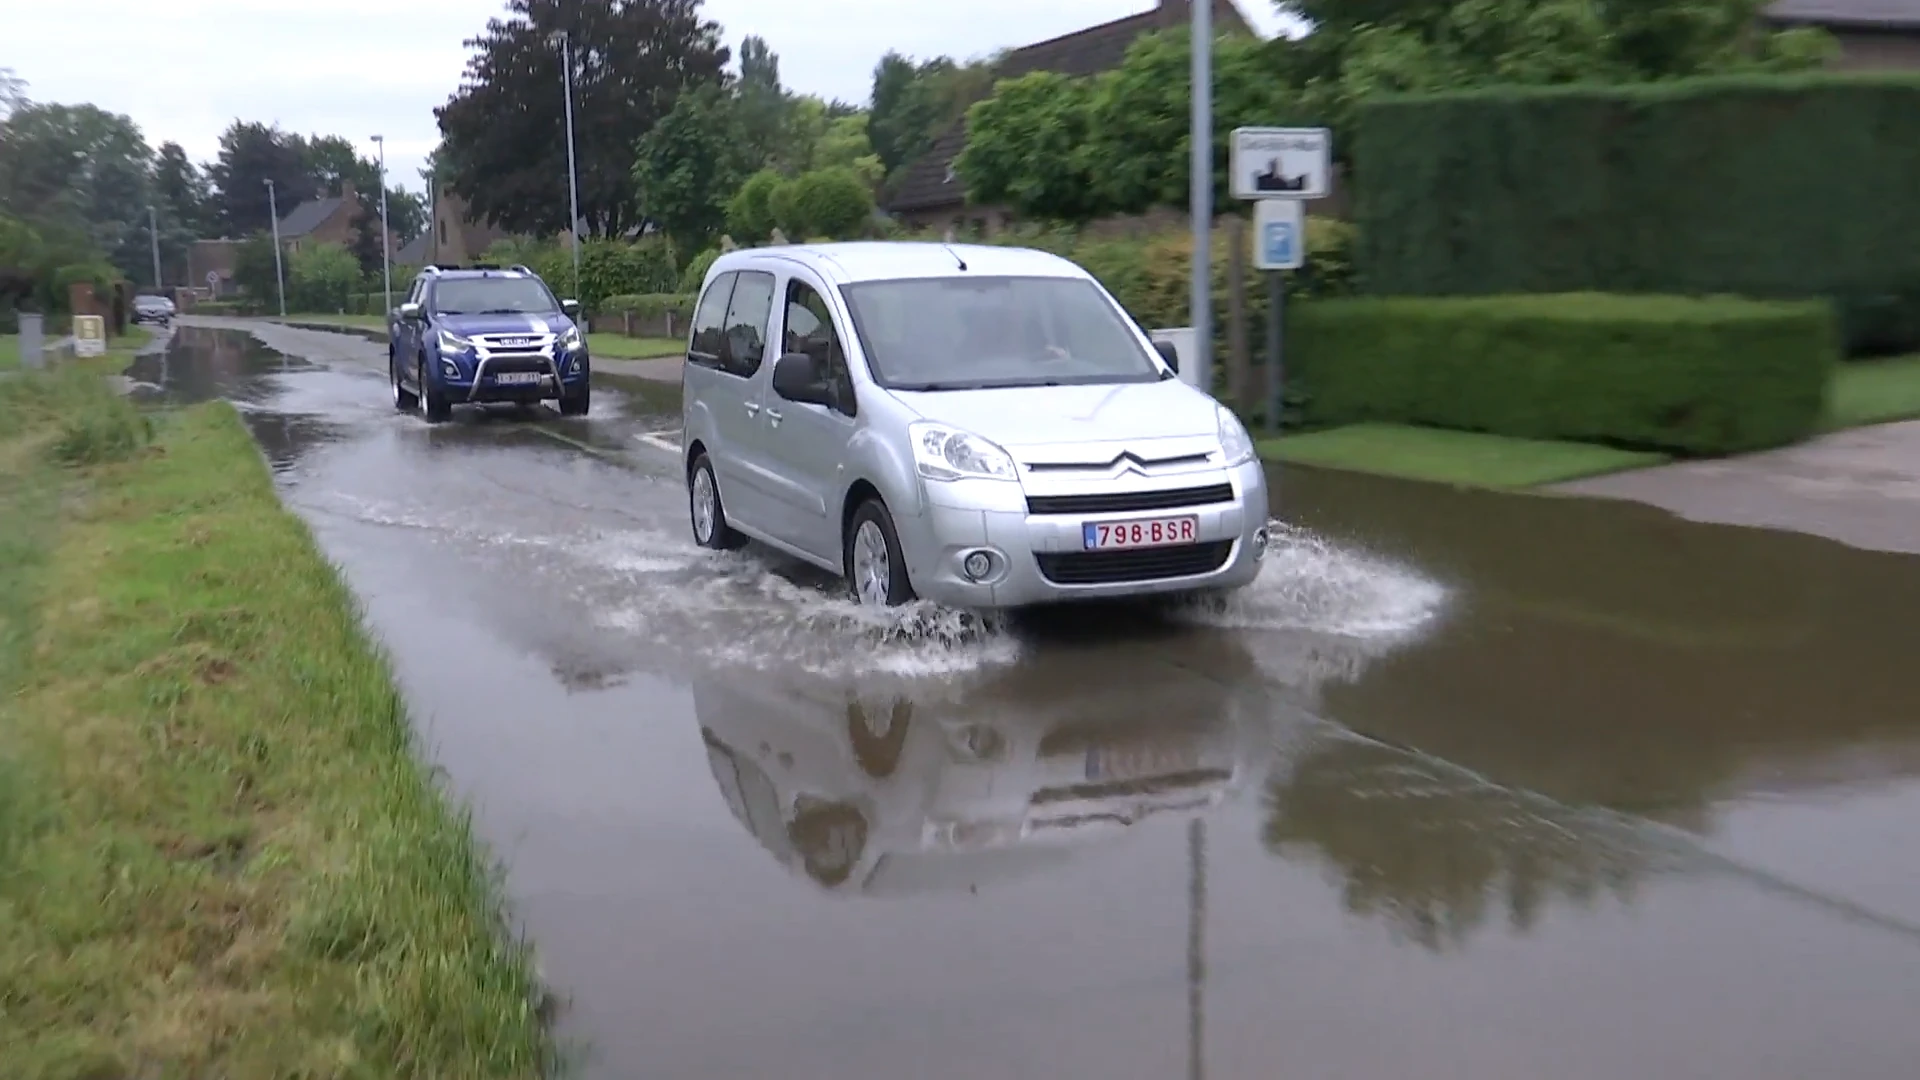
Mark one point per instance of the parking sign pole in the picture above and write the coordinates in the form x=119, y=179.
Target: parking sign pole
x=1276, y=336
x=1200, y=195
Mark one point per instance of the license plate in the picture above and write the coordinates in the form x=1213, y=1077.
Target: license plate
x=1135, y=761
x=512, y=378
x=1142, y=533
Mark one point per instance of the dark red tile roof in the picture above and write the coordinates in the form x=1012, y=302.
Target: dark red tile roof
x=930, y=183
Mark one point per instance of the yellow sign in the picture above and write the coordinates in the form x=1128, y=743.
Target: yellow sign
x=89, y=335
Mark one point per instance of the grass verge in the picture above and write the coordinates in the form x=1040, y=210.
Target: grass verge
x=218, y=854
x=364, y=322
x=1873, y=392
x=1454, y=457
x=9, y=351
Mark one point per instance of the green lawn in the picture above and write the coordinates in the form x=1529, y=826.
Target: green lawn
x=1453, y=457
x=620, y=347
x=218, y=853
x=1873, y=392
x=9, y=351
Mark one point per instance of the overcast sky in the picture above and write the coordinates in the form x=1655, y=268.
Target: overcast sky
x=186, y=69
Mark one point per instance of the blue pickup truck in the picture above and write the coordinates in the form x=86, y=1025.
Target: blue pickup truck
x=479, y=335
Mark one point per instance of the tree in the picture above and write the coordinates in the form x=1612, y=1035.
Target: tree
x=914, y=103
x=254, y=270
x=180, y=190
x=689, y=165
x=832, y=203
x=251, y=154
x=1026, y=146
x=504, y=132
x=763, y=107
x=335, y=164
x=13, y=92
x=750, y=211
x=84, y=169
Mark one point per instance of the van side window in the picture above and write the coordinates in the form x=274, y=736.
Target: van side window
x=710, y=323
x=809, y=329
x=746, y=334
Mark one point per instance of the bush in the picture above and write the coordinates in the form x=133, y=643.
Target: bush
x=750, y=211
x=1697, y=376
x=695, y=275
x=1795, y=186
x=320, y=278
x=607, y=267
x=831, y=202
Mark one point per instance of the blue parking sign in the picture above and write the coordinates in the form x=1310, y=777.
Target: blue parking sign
x=1279, y=241
x=1277, y=236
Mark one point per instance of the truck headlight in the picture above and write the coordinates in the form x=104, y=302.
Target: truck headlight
x=451, y=342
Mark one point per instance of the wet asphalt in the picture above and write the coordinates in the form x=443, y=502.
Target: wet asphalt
x=1473, y=786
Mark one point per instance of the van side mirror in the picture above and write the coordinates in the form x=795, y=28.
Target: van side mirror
x=571, y=308
x=797, y=378
x=1168, y=353
x=409, y=312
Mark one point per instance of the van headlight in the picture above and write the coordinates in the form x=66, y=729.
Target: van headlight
x=946, y=453
x=1235, y=443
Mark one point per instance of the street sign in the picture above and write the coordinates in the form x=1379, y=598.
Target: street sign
x=213, y=280
x=1281, y=163
x=89, y=335
x=1279, y=234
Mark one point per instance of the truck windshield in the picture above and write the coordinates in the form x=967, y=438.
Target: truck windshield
x=971, y=333
x=493, y=296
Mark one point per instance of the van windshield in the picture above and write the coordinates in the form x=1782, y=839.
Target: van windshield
x=971, y=333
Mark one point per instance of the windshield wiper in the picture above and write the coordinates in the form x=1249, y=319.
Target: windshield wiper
x=444, y=311
x=928, y=387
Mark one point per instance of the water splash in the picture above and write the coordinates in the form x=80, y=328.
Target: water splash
x=1310, y=584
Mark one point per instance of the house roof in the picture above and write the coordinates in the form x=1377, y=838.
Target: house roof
x=414, y=253
x=1848, y=14
x=930, y=180
x=308, y=216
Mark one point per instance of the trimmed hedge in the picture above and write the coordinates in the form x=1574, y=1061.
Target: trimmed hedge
x=645, y=315
x=1766, y=186
x=1696, y=376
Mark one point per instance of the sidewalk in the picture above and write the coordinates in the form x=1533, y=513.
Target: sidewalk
x=1860, y=487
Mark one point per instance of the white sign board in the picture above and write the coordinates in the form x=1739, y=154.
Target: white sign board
x=89, y=335
x=213, y=280
x=1279, y=234
x=1281, y=163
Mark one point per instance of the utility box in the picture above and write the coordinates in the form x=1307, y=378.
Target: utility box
x=1181, y=338
x=32, y=339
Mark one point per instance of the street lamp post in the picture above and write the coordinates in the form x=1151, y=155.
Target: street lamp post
x=573, y=179
x=279, y=275
x=153, y=232
x=386, y=264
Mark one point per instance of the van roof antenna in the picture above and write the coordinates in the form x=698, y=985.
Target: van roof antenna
x=956, y=256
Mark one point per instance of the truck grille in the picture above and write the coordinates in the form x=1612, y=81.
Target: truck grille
x=1118, y=501
x=1144, y=564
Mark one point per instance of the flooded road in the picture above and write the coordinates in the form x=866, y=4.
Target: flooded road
x=1467, y=786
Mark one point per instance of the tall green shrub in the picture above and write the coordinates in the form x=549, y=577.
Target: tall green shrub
x=1709, y=375
x=1767, y=186
x=321, y=278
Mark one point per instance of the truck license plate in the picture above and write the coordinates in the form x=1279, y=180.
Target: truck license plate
x=513, y=378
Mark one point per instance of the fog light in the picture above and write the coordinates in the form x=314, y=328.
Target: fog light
x=977, y=565
x=448, y=369
x=1260, y=543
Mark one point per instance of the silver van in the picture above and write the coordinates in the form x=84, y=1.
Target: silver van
x=984, y=427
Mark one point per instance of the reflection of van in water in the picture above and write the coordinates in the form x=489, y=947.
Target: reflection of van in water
x=885, y=794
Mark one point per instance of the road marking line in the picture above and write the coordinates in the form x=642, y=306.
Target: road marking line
x=658, y=440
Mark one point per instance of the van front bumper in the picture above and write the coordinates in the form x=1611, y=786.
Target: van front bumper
x=1042, y=558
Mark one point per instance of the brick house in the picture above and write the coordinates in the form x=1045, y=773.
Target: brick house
x=1874, y=35
x=215, y=257
x=330, y=219
x=930, y=194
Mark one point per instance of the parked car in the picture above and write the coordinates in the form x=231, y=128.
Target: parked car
x=984, y=427
x=152, y=309
x=485, y=334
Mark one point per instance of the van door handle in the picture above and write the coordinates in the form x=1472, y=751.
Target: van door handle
x=773, y=417
x=753, y=408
